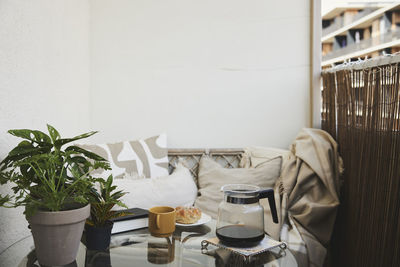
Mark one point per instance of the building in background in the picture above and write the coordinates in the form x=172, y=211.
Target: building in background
x=359, y=29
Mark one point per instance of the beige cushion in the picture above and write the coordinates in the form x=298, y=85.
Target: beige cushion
x=143, y=158
x=212, y=177
x=254, y=156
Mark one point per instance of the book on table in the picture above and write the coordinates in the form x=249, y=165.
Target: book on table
x=136, y=218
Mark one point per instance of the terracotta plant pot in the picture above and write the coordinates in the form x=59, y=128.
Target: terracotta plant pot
x=98, y=238
x=57, y=234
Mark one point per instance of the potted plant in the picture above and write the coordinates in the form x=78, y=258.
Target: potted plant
x=98, y=227
x=54, y=185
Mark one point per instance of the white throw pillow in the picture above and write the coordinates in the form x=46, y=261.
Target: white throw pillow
x=144, y=157
x=177, y=189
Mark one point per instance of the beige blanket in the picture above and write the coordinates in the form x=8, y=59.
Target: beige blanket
x=307, y=196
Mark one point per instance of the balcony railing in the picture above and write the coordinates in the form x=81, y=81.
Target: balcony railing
x=364, y=44
x=339, y=21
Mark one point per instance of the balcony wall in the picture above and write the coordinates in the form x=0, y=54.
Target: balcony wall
x=44, y=78
x=209, y=73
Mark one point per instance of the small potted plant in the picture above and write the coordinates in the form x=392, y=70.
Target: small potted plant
x=98, y=227
x=54, y=185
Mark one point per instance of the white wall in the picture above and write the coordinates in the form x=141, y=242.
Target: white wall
x=44, y=78
x=226, y=73
x=209, y=73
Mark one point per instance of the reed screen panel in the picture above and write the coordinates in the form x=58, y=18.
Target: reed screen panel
x=360, y=109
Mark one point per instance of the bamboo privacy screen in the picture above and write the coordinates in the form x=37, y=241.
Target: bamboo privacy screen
x=361, y=110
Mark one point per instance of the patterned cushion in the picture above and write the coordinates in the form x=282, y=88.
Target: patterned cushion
x=148, y=157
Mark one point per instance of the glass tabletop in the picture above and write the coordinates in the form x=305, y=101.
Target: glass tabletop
x=139, y=248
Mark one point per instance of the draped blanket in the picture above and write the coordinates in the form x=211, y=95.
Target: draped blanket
x=307, y=195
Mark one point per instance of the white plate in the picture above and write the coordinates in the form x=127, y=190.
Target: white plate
x=205, y=218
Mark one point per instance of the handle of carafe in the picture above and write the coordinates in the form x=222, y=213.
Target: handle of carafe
x=269, y=193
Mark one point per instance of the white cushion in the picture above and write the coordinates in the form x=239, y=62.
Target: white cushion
x=177, y=189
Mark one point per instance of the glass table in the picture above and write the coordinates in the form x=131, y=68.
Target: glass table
x=139, y=248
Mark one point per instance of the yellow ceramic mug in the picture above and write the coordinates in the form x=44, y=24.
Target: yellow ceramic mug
x=161, y=221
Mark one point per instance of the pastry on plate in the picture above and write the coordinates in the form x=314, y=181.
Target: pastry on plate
x=187, y=215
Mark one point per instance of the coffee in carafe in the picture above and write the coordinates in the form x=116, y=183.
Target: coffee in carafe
x=240, y=235
x=240, y=220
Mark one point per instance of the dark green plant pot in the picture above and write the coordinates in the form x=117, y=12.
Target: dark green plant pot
x=98, y=238
x=97, y=258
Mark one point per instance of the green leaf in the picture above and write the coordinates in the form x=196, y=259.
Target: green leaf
x=4, y=177
x=22, y=147
x=109, y=182
x=102, y=202
x=54, y=134
x=118, y=194
x=21, y=152
x=119, y=203
x=78, y=160
x=32, y=135
x=60, y=142
x=26, y=148
x=80, y=199
x=101, y=165
x=27, y=171
x=91, y=155
x=4, y=200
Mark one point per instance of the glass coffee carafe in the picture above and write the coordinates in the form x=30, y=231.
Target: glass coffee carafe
x=240, y=220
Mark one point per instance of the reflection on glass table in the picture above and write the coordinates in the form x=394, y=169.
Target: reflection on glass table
x=139, y=248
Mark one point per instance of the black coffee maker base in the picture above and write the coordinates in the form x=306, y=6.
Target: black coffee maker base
x=240, y=244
